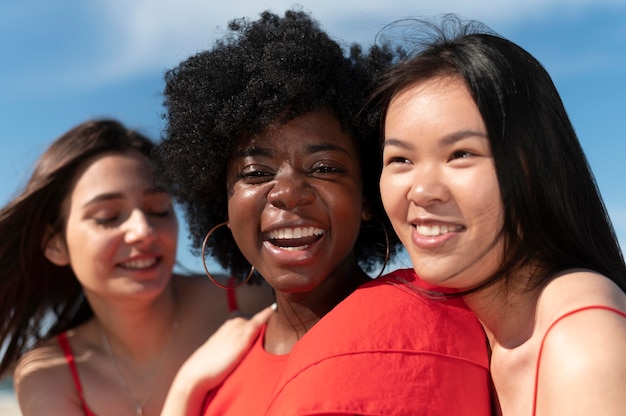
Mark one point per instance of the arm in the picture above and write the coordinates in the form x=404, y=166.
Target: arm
x=582, y=369
x=42, y=383
x=211, y=363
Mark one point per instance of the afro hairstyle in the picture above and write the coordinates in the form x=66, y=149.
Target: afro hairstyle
x=262, y=72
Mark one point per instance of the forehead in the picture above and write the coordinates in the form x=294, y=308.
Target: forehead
x=113, y=172
x=434, y=102
x=310, y=130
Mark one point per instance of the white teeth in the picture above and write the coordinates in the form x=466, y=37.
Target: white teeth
x=297, y=232
x=435, y=230
x=139, y=264
x=294, y=248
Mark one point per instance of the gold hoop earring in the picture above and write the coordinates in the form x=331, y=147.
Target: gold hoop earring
x=206, y=270
x=387, y=247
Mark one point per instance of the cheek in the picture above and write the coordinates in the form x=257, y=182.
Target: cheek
x=90, y=253
x=484, y=200
x=169, y=234
x=346, y=217
x=392, y=191
x=244, y=213
x=244, y=203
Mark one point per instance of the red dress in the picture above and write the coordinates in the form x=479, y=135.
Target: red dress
x=385, y=350
x=249, y=387
x=388, y=349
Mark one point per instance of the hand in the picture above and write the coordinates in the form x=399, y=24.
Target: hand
x=212, y=362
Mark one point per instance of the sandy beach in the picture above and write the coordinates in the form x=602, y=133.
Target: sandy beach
x=8, y=405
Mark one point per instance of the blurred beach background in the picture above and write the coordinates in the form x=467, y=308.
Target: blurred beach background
x=64, y=62
x=8, y=404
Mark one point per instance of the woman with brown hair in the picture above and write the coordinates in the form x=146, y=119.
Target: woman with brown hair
x=87, y=288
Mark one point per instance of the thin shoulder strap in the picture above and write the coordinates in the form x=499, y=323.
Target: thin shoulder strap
x=608, y=308
x=71, y=363
x=231, y=295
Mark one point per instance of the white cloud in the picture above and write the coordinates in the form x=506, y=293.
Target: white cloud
x=150, y=34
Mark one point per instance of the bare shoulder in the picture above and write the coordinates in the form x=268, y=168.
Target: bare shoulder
x=579, y=288
x=209, y=300
x=43, y=381
x=582, y=362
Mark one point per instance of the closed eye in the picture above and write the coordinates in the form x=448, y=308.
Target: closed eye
x=106, y=221
x=161, y=214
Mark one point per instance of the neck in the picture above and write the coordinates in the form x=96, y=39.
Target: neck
x=140, y=374
x=507, y=314
x=298, y=312
x=140, y=330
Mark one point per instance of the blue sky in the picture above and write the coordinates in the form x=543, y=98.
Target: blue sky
x=64, y=61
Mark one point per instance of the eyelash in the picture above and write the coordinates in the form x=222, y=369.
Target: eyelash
x=396, y=159
x=254, y=174
x=260, y=174
x=105, y=221
x=461, y=154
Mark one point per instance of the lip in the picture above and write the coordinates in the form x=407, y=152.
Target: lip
x=291, y=243
x=429, y=234
x=141, y=263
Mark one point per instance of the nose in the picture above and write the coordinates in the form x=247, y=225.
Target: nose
x=139, y=228
x=429, y=187
x=291, y=190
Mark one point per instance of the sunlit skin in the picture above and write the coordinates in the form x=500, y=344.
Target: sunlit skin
x=295, y=208
x=303, y=175
x=439, y=185
x=121, y=230
x=440, y=190
x=119, y=236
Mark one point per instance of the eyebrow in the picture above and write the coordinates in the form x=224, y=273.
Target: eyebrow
x=324, y=147
x=444, y=141
x=110, y=196
x=310, y=149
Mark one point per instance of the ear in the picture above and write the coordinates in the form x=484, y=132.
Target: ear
x=366, y=211
x=55, y=249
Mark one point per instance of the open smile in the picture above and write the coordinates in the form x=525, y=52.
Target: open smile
x=294, y=238
x=140, y=264
x=436, y=230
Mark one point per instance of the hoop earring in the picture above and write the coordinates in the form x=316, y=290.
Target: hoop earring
x=206, y=270
x=387, y=247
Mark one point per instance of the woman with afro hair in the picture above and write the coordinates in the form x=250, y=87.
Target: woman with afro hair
x=274, y=157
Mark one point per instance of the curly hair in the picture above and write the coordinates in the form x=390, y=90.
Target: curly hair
x=262, y=72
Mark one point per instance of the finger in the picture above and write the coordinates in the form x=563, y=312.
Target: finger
x=262, y=316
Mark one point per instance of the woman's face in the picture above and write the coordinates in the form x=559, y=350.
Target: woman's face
x=439, y=185
x=295, y=201
x=120, y=227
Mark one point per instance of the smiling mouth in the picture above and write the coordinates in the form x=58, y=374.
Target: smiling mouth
x=139, y=263
x=293, y=239
x=436, y=230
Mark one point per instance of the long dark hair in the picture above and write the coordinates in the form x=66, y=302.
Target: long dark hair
x=554, y=216
x=37, y=298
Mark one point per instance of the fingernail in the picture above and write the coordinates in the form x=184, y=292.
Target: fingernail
x=274, y=306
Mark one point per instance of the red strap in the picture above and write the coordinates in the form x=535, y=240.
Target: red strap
x=69, y=357
x=231, y=295
x=546, y=335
